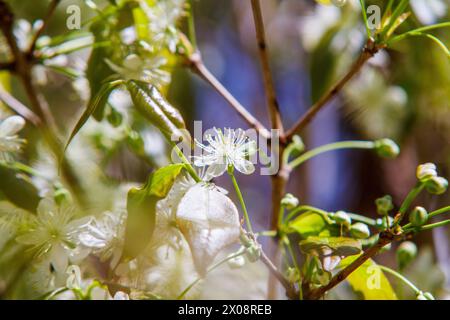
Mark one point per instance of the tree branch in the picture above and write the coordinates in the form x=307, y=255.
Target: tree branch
x=197, y=66
x=45, y=21
x=18, y=107
x=23, y=66
x=384, y=239
x=272, y=102
x=370, y=49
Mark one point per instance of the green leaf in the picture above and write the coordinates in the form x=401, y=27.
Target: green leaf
x=17, y=189
x=340, y=246
x=154, y=108
x=308, y=224
x=141, y=207
x=100, y=99
x=369, y=280
x=97, y=69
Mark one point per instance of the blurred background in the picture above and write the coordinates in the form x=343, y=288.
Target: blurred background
x=402, y=94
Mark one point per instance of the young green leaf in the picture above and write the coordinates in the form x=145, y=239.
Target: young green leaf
x=307, y=224
x=17, y=189
x=100, y=99
x=154, y=108
x=141, y=207
x=340, y=245
x=97, y=69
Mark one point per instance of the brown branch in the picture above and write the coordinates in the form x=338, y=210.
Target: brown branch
x=198, y=67
x=370, y=49
x=384, y=239
x=7, y=66
x=18, y=107
x=45, y=21
x=48, y=128
x=272, y=102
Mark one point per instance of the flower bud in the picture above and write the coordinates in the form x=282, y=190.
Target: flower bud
x=11, y=125
x=342, y=218
x=115, y=118
x=236, y=262
x=406, y=253
x=61, y=195
x=292, y=275
x=426, y=171
x=384, y=205
x=436, y=185
x=297, y=143
x=359, y=231
x=421, y=296
x=381, y=223
x=428, y=296
x=386, y=148
x=418, y=216
x=289, y=201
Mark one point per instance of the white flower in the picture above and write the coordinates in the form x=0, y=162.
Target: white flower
x=163, y=16
x=9, y=141
x=231, y=148
x=104, y=236
x=148, y=70
x=53, y=233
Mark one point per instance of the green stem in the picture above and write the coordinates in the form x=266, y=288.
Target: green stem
x=431, y=215
x=407, y=202
x=429, y=226
x=330, y=147
x=359, y=218
x=241, y=200
x=402, y=278
x=191, y=25
x=419, y=30
x=187, y=164
x=189, y=287
x=323, y=213
x=364, y=14
x=268, y=233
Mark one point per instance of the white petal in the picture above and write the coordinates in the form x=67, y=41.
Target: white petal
x=11, y=125
x=216, y=170
x=244, y=166
x=209, y=220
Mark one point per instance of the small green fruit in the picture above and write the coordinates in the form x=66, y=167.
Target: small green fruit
x=426, y=171
x=418, y=216
x=342, y=218
x=436, y=185
x=387, y=148
x=384, y=205
x=289, y=201
x=360, y=231
x=406, y=252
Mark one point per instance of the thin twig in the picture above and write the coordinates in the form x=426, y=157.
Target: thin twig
x=197, y=66
x=45, y=21
x=368, y=52
x=384, y=239
x=18, y=107
x=272, y=102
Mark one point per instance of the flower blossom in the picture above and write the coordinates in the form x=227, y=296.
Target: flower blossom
x=225, y=149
